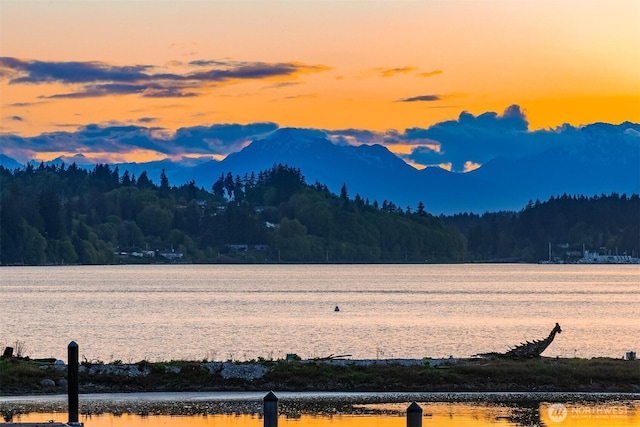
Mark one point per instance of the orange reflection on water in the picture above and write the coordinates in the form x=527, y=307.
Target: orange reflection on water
x=439, y=415
x=109, y=420
x=607, y=414
x=452, y=414
x=604, y=414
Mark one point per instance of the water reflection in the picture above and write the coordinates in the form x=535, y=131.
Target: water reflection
x=218, y=312
x=609, y=414
x=605, y=414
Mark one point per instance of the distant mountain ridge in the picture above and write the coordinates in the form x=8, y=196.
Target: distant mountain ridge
x=601, y=164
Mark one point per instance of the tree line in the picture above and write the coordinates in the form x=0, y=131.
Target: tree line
x=565, y=224
x=58, y=214
x=54, y=214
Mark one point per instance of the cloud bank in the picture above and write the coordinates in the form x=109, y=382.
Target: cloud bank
x=463, y=144
x=476, y=139
x=214, y=140
x=96, y=79
x=470, y=141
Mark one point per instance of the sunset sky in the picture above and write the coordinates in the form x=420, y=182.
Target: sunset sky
x=331, y=65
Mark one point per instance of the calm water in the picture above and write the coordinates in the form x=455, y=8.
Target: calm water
x=607, y=414
x=222, y=312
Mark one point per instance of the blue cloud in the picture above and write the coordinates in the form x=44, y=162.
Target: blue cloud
x=470, y=138
x=90, y=91
x=256, y=70
x=167, y=92
x=482, y=138
x=473, y=138
x=422, y=98
x=363, y=136
x=147, y=119
x=91, y=138
x=207, y=62
x=218, y=139
x=102, y=79
x=70, y=72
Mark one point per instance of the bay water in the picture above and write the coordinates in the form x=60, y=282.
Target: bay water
x=609, y=414
x=243, y=312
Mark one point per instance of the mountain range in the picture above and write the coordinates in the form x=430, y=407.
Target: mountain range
x=605, y=160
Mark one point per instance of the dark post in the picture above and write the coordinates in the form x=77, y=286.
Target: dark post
x=72, y=379
x=270, y=410
x=414, y=415
x=8, y=353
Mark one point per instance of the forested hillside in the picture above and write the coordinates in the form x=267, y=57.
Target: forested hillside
x=566, y=224
x=67, y=215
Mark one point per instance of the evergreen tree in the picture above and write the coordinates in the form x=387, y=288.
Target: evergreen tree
x=343, y=192
x=57, y=214
x=164, y=189
x=144, y=183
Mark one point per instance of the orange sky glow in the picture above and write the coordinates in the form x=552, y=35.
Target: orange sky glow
x=345, y=64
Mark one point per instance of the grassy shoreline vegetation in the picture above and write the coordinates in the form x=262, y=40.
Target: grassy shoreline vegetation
x=22, y=376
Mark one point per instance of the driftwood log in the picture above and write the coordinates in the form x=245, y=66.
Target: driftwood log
x=527, y=349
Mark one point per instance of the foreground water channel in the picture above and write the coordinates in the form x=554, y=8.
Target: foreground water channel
x=244, y=409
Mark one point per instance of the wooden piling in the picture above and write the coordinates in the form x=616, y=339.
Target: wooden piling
x=72, y=380
x=414, y=415
x=270, y=410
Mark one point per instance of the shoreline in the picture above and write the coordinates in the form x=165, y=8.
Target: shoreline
x=471, y=375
